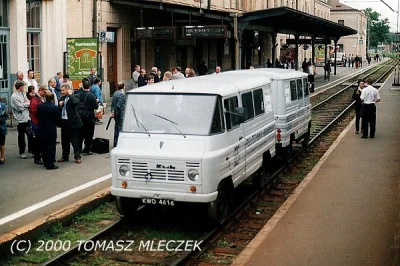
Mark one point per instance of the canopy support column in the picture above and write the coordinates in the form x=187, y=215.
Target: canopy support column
x=334, y=67
x=296, y=52
x=273, y=42
x=313, y=50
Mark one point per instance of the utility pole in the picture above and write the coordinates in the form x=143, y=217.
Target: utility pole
x=368, y=31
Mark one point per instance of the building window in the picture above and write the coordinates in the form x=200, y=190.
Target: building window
x=33, y=14
x=341, y=22
x=4, y=13
x=33, y=35
x=33, y=44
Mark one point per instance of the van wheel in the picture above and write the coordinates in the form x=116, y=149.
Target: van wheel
x=261, y=178
x=218, y=210
x=127, y=207
x=306, y=139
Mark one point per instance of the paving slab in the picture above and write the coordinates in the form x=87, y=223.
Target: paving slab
x=347, y=213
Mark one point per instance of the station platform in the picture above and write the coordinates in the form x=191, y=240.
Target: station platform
x=346, y=211
x=29, y=192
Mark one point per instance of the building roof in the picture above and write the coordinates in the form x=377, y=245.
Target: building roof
x=337, y=6
x=292, y=21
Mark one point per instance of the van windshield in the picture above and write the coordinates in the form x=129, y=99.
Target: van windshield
x=184, y=114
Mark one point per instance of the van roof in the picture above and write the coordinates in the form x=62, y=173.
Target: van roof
x=275, y=73
x=223, y=85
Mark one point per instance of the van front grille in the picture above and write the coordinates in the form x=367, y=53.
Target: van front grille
x=141, y=171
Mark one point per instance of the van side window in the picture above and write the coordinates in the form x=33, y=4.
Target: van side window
x=230, y=105
x=299, y=89
x=217, y=124
x=305, y=84
x=258, y=101
x=293, y=91
x=247, y=101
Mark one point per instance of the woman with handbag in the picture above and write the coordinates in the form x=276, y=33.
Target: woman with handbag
x=33, y=126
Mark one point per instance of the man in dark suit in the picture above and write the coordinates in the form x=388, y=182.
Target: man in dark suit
x=118, y=110
x=86, y=106
x=71, y=124
x=49, y=118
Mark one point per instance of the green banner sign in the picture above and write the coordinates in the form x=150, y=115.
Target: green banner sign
x=81, y=57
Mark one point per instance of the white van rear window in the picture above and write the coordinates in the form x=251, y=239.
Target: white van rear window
x=293, y=91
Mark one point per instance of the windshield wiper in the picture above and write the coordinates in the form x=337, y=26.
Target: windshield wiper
x=172, y=122
x=138, y=122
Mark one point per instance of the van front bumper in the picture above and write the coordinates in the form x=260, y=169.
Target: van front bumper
x=156, y=194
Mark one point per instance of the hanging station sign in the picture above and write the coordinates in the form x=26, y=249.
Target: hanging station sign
x=208, y=31
x=155, y=33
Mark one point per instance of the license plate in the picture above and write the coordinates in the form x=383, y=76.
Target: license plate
x=164, y=202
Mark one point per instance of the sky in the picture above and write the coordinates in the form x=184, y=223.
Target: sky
x=379, y=7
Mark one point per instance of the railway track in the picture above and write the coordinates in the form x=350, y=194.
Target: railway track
x=233, y=237
x=253, y=208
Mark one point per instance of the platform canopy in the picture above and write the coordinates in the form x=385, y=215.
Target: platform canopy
x=291, y=21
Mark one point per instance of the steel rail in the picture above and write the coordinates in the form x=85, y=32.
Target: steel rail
x=58, y=260
x=214, y=232
x=348, y=107
x=206, y=238
x=345, y=88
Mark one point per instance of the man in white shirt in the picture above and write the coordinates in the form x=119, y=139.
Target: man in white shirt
x=135, y=76
x=31, y=80
x=52, y=87
x=369, y=96
x=20, y=77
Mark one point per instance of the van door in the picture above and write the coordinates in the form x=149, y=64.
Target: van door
x=306, y=92
x=235, y=140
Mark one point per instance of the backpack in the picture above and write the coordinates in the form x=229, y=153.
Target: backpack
x=81, y=107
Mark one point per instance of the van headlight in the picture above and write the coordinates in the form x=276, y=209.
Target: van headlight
x=193, y=174
x=124, y=170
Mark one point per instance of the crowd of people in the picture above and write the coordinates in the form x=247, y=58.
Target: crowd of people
x=40, y=109
x=141, y=78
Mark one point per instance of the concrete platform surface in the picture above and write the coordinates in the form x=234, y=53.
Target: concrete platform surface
x=24, y=184
x=348, y=212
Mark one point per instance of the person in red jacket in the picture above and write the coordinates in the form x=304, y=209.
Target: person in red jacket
x=36, y=100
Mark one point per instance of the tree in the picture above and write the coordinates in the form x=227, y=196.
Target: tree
x=378, y=29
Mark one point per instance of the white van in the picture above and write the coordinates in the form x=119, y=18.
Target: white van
x=193, y=140
x=292, y=107
x=291, y=104
x=339, y=58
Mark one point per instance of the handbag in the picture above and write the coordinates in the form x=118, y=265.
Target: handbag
x=30, y=131
x=100, y=145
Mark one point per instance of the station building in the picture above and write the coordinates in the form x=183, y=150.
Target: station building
x=164, y=33
x=355, y=44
